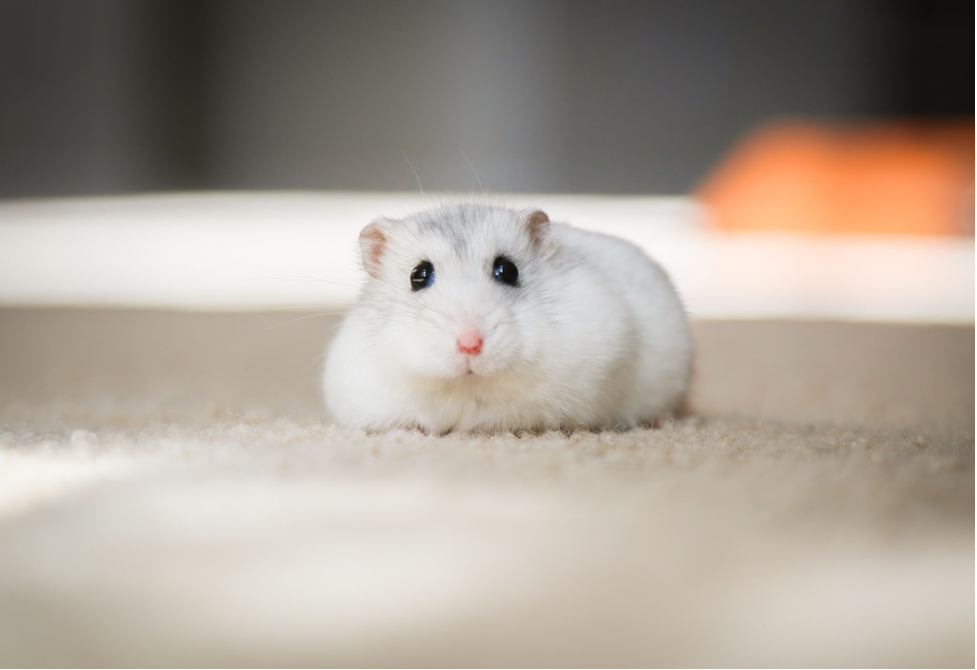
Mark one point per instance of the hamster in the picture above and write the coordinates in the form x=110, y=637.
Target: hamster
x=479, y=318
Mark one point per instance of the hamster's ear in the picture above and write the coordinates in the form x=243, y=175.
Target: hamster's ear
x=373, y=242
x=538, y=227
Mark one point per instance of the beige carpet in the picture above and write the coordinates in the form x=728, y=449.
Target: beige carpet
x=170, y=495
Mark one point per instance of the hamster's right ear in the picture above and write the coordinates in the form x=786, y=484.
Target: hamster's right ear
x=373, y=242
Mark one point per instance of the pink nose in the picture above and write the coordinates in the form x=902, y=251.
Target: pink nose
x=470, y=342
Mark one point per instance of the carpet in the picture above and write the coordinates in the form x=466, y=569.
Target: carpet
x=170, y=494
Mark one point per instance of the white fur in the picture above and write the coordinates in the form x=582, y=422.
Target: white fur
x=593, y=337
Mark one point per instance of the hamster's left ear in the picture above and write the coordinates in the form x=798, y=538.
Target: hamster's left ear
x=538, y=227
x=373, y=242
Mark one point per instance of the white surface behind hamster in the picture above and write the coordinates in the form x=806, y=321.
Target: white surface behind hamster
x=230, y=251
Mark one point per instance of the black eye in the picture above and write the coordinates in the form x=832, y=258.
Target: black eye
x=506, y=271
x=422, y=276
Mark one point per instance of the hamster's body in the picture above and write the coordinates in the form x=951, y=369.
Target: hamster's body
x=590, y=335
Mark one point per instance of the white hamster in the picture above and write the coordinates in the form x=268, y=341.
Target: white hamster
x=479, y=318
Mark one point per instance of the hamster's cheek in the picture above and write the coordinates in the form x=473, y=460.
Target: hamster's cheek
x=502, y=351
x=526, y=336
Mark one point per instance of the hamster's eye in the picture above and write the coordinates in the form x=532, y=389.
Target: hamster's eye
x=505, y=271
x=422, y=276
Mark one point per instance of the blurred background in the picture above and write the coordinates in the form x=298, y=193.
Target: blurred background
x=121, y=96
x=846, y=125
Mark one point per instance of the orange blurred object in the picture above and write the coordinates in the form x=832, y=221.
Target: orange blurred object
x=909, y=179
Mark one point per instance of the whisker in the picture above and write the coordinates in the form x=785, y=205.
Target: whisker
x=415, y=174
x=317, y=359
x=463, y=155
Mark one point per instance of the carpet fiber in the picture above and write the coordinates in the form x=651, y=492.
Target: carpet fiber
x=171, y=495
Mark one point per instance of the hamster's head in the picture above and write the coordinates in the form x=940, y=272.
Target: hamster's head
x=460, y=290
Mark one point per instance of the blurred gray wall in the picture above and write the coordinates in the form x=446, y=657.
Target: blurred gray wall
x=115, y=96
